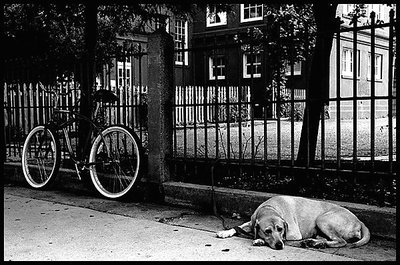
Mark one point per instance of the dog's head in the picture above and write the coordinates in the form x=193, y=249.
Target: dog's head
x=272, y=229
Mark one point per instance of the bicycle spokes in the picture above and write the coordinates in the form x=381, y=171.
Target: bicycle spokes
x=115, y=155
x=43, y=157
x=40, y=159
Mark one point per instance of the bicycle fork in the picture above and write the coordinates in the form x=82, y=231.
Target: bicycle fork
x=77, y=164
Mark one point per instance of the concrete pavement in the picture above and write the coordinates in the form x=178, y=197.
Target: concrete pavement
x=63, y=225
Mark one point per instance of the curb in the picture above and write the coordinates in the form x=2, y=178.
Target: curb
x=381, y=221
x=67, y=178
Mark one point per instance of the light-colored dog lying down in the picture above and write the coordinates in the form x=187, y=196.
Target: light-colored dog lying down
x=303, y=222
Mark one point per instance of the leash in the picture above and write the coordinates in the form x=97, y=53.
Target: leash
x=213, y=195
x=240, y=231
x=237, y=228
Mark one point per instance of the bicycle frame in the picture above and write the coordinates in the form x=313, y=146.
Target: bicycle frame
x=109, y=153
x=58, y=125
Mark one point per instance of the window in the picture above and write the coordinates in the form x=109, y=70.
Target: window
x=124, y=77
x=250, y=12
x=378, y=66
x=215, y=18
x=216, y=67
x=296, y=68
x=347, y=62
x=124, y=71
x=181, y=41
x=251, y=65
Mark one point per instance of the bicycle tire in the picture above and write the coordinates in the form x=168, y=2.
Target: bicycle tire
x=114, y=161
x=41, y=157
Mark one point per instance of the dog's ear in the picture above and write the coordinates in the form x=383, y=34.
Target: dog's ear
x=285, y=230
x=256, y=227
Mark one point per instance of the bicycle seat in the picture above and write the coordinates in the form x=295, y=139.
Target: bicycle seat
x=105, y=96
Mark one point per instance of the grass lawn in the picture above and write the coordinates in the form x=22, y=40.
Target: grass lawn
x=230, y=137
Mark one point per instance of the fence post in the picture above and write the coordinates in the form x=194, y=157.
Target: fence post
x=160, y=96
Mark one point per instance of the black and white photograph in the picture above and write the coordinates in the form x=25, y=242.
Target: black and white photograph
x=199, y=131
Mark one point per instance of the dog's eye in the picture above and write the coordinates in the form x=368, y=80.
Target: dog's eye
x=268, y=231
x=279, y=229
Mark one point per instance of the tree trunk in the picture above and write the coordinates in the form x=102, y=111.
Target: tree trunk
x=2, y=129
x=397, y=90
x=88, y=76
x=318, y=88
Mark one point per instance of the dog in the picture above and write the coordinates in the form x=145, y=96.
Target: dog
x=302, y=222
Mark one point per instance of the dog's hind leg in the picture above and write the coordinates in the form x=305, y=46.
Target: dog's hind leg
x=327, y=224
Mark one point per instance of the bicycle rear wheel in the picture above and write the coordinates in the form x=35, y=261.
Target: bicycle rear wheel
x=41, y=157
x=115, y=161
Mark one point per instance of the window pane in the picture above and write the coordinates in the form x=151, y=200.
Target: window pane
x=215, y=18
x=246, y=13
x=222, y=70
x=217, y=67
x=259, y=10
x=252, y=11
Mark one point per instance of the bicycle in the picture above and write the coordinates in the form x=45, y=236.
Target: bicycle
x=112, y=154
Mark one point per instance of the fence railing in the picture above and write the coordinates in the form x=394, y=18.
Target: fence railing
x=220, y=117
x=259, y=150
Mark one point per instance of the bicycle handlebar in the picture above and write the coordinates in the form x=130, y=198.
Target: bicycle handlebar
x=99, y=96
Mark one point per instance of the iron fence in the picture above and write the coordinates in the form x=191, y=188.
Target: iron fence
x=257, y=146
x=229, y=111
x=26, y=104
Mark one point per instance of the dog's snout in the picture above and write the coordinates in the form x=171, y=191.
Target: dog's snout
x=279, y=245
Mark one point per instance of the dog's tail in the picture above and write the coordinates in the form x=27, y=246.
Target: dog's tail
x=366, y=235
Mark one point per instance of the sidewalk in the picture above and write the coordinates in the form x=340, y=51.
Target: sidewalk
x=68, y=225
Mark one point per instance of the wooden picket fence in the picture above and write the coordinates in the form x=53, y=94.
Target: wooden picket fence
x=199, y=104
x=27, y=105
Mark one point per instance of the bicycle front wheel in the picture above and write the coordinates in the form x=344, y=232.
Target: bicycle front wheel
x=115, y=161
x=41, y=157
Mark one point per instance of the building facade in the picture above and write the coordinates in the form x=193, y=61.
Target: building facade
x=213, y=57
x=129, y=68
x=231, y=65
x=363, y=63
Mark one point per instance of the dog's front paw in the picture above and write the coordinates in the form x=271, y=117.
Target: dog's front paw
x=225, y=233
x=258, y=242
